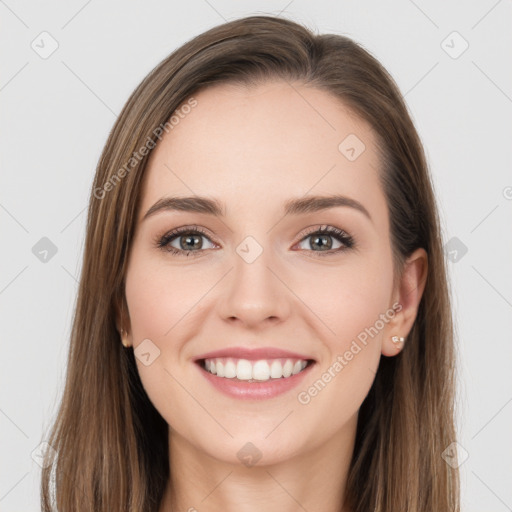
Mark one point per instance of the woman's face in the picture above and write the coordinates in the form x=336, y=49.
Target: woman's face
x=257, y=277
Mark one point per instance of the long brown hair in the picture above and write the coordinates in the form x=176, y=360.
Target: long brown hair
x=111, y=444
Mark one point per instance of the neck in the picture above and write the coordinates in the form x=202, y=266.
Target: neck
x=311, y=480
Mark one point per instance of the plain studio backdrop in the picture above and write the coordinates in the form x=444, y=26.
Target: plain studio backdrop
x=67, y=70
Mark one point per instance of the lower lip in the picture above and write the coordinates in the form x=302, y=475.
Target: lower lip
x=244, y=390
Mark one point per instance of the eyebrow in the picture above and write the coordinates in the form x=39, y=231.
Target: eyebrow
x=209, y=206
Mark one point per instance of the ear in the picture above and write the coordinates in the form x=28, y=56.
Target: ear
x=406, y=299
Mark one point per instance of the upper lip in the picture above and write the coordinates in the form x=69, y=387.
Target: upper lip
x=253, y=354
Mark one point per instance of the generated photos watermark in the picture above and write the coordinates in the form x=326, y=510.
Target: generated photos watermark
x=115, y=179
x=342, y=360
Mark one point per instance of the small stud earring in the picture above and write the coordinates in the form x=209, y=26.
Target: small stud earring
x=397, y=340
x=123, y=339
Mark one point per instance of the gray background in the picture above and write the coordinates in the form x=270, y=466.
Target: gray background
x=56, y=115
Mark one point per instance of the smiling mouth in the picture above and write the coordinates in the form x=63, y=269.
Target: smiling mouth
x=253, y=371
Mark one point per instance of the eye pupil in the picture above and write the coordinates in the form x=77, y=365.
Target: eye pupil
x=324, y=237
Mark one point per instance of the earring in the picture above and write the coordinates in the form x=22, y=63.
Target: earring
x=397, y=340
x=123, y=339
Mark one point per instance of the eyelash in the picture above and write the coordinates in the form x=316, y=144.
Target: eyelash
x=343, y=237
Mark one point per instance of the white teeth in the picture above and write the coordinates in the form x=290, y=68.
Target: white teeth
x=276, y=370
x=297, y=367
x=243, y=370
x=230, y=370
x=287, y=368
x=261, y=370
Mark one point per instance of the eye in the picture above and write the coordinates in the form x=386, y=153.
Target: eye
x=188, y=241
x=322, y=237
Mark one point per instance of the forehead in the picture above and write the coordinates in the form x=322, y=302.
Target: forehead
x=274, y=141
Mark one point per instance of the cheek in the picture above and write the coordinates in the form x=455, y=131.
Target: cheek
x=346, y=299
x=161, y=304
x=350, y=301
x=158, y=297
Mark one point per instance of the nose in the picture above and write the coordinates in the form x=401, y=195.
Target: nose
x=254, y=293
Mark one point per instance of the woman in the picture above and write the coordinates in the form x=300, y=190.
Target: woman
x=263, y=319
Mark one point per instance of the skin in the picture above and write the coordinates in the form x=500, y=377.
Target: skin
x=253, y=149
